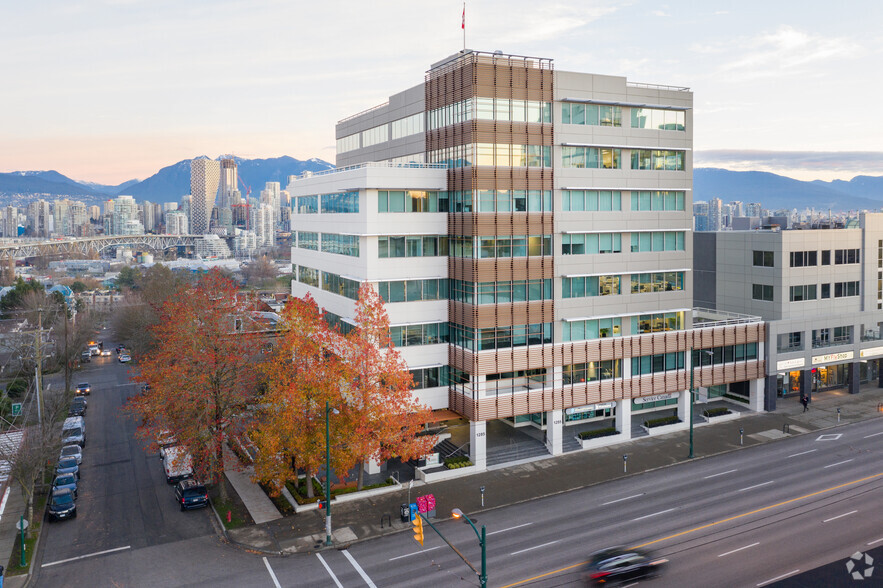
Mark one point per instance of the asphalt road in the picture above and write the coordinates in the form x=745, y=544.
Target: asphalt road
x=747, y=518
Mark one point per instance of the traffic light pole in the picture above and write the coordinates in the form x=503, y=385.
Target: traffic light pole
x=457, y=551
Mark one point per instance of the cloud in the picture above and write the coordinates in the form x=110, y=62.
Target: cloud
x=837, y=162
x=785, y=51
x=659, y=13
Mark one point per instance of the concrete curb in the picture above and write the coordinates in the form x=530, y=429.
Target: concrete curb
x=221, y=530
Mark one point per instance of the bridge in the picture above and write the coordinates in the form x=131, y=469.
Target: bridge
x=87, y=245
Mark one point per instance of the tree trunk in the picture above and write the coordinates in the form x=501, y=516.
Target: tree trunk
x=361, y=481
x=219, y=456
x=309, y=482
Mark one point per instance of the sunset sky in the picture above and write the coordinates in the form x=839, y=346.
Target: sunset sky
x=112, y=90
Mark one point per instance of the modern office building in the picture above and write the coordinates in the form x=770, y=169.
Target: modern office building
x=205, y=176
x=819, y=291
x=530, y=232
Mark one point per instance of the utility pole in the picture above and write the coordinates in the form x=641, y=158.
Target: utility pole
x=39, y=359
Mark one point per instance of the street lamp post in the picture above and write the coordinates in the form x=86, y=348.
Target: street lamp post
x=328, y=411
x=482, y=540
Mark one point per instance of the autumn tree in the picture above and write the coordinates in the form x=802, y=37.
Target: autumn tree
x=302, y=377
x=260, y=272
x=140, y=308
x=385, y=416
x=200, y=373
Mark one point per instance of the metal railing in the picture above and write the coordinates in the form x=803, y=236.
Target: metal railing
x=381, y=164
x=708, y=317
x=358, y=114
x=658, y=87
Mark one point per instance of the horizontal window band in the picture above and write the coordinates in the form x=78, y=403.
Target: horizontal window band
x=624, y=231
x=632, y=147
x=626, y=190
x=632, y=273
x=631, y=314
x=626, y=104
x=407, y=280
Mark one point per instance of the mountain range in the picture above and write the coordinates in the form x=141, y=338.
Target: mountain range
x=170, y=183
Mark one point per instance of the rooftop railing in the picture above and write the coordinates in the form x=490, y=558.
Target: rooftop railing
x=381, y=164
x=358, y=114
x=658, y=87
x=708, y=317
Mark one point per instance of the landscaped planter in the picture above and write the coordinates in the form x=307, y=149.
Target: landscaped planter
x=447, y=474
x=724, y=417
x=603, y=441
x=664, y=429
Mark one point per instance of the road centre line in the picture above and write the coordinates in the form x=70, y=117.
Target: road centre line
x=846, y=514
x=740, y=549
x=755, y=486
x=873, y=435
x=61, y=561
x=535, y=547
x=272, y=574
x=509, y=528
x=876, y=541
x=621, y=499
x=837, y=464
x=703, y=527
x=359, y=568
x=653, y=515
x=771, y=580
x=416, y=552
x=719, y=474
x=330, y=573
x=802, y=453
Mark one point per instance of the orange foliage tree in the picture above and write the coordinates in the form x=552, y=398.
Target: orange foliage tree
x=200, y=374
x=303, y=375
x=385, y=417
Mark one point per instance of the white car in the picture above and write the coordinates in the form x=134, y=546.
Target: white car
x=73, y=451
x=125, y=358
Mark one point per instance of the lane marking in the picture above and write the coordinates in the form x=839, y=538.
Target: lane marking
x=415, y=553
x=621, y=499
x=770, y=581
x=359, y=568
x=755, y=486
x=3, y=502
x=873, y=435
x=509, y=529
x=802, y=453
x=272, y=574
x=740, y=549
x=720, y=474
x=837, y=464
x=876, y=541
x=61, y=561
x=535, y=547
x=702, y=527
x=846, y=514
x=653, y=515
x=330, y=573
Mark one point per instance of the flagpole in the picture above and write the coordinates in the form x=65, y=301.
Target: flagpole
x=464, y=27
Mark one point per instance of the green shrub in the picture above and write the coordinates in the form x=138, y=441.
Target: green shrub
x=16, y=388
x=713, y=412
x=453, y=463
x=598, y=433
x=661, y=422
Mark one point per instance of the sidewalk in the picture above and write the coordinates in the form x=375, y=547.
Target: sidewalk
x=364, y=519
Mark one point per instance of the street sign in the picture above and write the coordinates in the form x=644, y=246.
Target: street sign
x=22, y=522
x=16, y=408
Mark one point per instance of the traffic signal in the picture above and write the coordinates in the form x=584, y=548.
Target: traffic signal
x=321, y=504
x=418, y=529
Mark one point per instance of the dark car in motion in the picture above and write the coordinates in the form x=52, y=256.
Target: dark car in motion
x=83, y=389
x=191, y=494
x=62, y=505
x=621, y=565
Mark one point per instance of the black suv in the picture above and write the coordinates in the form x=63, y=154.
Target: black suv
x=78, y=407
x=62, y=505
x=616, y=565
x=191, y=494
x=84, y=389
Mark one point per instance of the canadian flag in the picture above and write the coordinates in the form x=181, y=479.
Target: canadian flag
x=463, y=24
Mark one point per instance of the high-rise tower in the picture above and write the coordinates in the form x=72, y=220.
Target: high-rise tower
x=205, y=176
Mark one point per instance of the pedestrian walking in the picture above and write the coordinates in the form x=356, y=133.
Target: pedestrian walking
x=804, y=400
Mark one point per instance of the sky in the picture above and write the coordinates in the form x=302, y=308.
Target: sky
x=112, y=90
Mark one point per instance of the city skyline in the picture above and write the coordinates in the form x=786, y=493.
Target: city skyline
x=112, y=91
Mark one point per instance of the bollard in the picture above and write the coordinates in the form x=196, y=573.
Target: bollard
x=481, y=489
x=625, y=460
x=786, y=428
x=741, y=435
x=838, y=414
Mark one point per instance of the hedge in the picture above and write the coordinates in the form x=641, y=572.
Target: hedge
x=598, y=433
x=669, y=420
x=452, y=463
x=713, y=412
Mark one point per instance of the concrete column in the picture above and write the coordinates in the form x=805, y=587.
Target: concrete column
x=855, y=375
x=372, y=466
x=684, y=406
x=478, y=443
x=806, y=383
x=555, y=431
x=756, y=394
x=770, y=396
x=624, y=417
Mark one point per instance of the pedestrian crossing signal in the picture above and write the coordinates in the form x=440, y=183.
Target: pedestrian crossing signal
x=418, y=529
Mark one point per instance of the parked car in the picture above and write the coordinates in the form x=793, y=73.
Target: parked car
x=73, y=452
x=65, y=481
x=191, y=494
x=125, y=357
x=83, y=389
x=62, y=505
x=619, y=565
x=177, y=464
x=74, y=431
x=68, y=465
x=77, y=407
x=165, y=439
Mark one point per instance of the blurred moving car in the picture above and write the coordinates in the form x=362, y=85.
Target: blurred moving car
x=191, y=494
x=621, y=565
x=65, y=481
x=105, y=353
x=73, y=452
x=83, y=389
x=62, y=505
